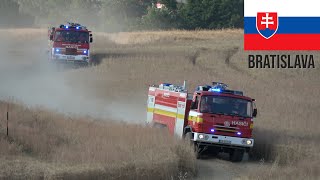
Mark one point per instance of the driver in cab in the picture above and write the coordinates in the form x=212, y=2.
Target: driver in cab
x=60, y=37
x=205, y=106
x=238, y=109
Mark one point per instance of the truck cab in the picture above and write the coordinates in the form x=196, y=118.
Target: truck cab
x=221, y=120
x=70, y=43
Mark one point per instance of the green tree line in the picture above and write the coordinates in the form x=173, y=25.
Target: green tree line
x=11, y=17
x=127, y=15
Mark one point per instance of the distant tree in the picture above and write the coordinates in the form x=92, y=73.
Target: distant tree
x=170, y=4
x=126, y=15
x=212, y=14
x=10, y=15
x=163, y=18
x=60, y=11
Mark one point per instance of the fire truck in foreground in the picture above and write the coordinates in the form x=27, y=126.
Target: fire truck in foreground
x=70, y=43
x=214, y=118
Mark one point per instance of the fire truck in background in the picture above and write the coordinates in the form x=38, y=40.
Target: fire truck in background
x=213, y=119
x=70, y=43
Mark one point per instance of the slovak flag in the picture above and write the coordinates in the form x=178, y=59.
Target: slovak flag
x=281, y=24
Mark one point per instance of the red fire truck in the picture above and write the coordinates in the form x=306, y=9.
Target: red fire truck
x=70, y=43
x=214, y=118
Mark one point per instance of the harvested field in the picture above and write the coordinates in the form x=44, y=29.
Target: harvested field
x=114, y=92
x=43, y=144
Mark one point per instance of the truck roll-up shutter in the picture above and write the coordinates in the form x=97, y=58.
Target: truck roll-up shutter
x=180, y=118
x=151, y=103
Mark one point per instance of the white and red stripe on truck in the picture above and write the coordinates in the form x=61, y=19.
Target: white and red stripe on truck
x=168, y=108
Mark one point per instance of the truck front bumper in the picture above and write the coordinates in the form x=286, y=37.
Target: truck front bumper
x=225, y=141
x=76, y=59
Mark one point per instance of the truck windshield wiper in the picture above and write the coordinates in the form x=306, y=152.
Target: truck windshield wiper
x=238, y=115
x=234, y=114
x=220, y=113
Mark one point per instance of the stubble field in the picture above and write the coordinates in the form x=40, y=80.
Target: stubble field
x=64, y=141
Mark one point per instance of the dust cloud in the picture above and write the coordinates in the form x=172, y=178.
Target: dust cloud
x=27, y=77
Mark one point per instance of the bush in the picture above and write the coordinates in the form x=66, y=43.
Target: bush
x=163, y=18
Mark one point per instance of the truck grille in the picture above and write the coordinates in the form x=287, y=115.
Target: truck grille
x=71, y=51
x=222, y=128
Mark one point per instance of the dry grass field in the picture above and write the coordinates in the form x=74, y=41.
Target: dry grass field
x=43, y=144
x=286, y=130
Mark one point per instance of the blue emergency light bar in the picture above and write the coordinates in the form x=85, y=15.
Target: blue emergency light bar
x=226, y=91
x=72, y=26
x=219, y=88
x=214, y=90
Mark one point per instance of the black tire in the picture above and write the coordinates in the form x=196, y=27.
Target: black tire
x=157, y=125
x=188, y=138
x=236, y=155
x=197, y=149
x=163, y=128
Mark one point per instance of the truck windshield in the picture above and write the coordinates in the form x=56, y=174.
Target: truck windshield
x=226, y=105
x=71, y=36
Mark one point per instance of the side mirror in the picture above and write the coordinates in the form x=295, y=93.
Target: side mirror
x=51, y=37
x=91, y=39
x=255, y=112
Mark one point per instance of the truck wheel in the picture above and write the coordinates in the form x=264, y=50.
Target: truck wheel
x=236, y=155
x=157, y=125
x=188, y=138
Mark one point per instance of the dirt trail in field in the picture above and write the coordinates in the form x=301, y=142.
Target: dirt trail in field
x=221, y=168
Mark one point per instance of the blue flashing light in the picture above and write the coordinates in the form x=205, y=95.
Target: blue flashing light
x=238, y=133
x=216, y=90
x=77, y=27
x=57, y=50
x=67, y=27
x=212, y=130
x=85, y=51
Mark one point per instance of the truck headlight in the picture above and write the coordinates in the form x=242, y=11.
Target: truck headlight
x=202, y=136
x=248, y=142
